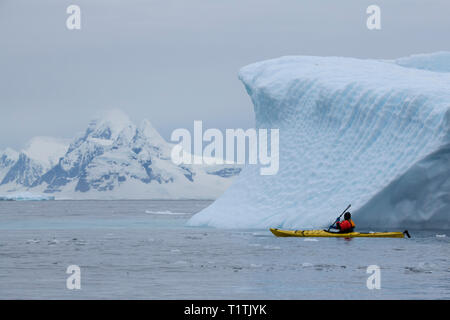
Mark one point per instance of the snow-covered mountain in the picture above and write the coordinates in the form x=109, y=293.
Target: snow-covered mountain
x=8, y=158
x=112, y=159
x=23, y=173
x=22, y=169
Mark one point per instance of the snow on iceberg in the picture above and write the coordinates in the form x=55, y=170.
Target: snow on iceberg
x=438, y=61
x=371, y=133
x=26, y=196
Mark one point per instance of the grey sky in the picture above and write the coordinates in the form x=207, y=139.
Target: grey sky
x=174, y=62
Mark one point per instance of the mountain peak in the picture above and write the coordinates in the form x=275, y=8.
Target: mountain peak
x=10, y=154
x=109, y=124
x=116, y=117
x=46, y=150
x=148, y=131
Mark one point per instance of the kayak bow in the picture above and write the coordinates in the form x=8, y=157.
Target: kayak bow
x=326, y=234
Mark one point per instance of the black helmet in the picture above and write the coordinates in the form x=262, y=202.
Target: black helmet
x=347, y=216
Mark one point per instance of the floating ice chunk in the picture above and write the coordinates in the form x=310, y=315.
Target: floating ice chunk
x=165, y=212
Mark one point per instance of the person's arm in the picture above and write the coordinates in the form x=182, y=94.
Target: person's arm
x=337, y=225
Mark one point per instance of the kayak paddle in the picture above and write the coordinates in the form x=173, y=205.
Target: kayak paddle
x=339, y=217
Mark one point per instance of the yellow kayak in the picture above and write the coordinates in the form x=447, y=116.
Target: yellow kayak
x=324, y=233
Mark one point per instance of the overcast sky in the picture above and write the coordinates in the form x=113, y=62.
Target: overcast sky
x=176, y=61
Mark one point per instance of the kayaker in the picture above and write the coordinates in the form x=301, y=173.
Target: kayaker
x=347, y=225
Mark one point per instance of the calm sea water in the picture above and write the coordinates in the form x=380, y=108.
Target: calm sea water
x=142, y=250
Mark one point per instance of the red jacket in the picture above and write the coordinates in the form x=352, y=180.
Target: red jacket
x=346, y=225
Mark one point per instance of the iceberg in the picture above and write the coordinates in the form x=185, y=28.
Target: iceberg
x=26, y=196
x=367, y=132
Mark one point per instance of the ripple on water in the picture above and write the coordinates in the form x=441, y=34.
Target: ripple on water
x=193, y=238
x=270, y=247
x=52, y=242
x=421, y=267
